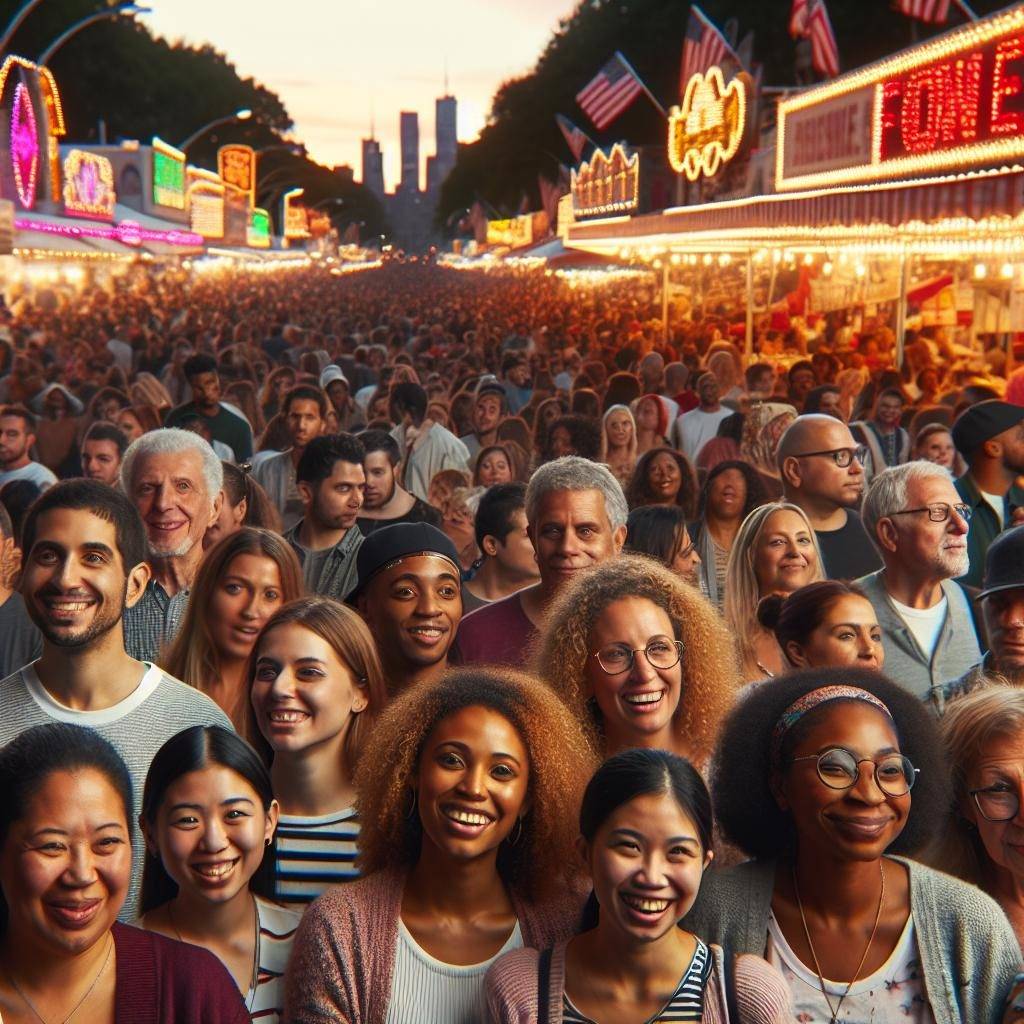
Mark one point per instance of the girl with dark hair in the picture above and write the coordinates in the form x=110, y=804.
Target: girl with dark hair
x=466, y=849
x=245, y=504
x=573, y=435
x=549, y=410
x=65, y=866
x=645, y=839
x=822, y=776
x=659, y=531
x=663, y=476
x=208, y=815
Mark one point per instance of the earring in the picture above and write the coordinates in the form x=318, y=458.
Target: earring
x=516, y=834
x=411, y=812
x=267, y=842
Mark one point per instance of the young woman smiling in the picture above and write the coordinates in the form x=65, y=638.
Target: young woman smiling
x=208, y=814
x=663, y=476
x=645, y=840
x=316, y=687
x=618, y=442
x=241, y=581
x=467, y=852
x=821, y=776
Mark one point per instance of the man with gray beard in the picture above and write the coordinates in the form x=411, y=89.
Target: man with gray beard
x=919, y=523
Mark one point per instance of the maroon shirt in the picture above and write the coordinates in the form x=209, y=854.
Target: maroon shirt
x=497, y=634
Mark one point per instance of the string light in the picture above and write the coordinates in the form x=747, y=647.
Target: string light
x=606, y=184
x=980, y=271
x=24, y=147
x=88, y=185
x=127, y=232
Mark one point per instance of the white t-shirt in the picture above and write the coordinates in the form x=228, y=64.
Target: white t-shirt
x=924, y=623
x=695, y=428
x=996, y=503
x=35, y=472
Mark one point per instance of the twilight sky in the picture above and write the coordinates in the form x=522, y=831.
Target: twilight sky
x=332, y=61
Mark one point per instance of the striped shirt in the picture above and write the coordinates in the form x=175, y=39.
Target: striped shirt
x=314, y=853
x=277, y=929
x=686, y=1004
x=152, y=623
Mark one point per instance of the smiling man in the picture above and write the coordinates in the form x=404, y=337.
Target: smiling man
x=84, y=566
x=174, y=480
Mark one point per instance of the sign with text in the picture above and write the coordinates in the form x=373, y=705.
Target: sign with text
x=606, y=183
x=237, y=166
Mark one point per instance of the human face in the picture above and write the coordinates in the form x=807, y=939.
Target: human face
x=829, y=405
x=283, y=384
x=337, y=392
x=561, y=442
x=642, y=701
x=110, y=408
x=486, y=414
x=494, y=469
x=727, y=494
x=206, y=391
x=169, y=490
x=15, y=440
x=1004, y=624
x=304, y=421
x=129, y=425
x=246, y=595
x=1000, y=766
x=336, y=502
x=888, y=411
x=66, y=864
x=211, y=832
x=856, y=824
x=550, y=412
x=664, y=478
x=304, y=694
x=686, y=562
x=708, y=391
x=380, y=480
x=472, y=783
x=763, y=383
x=101, y=461
x=515, y=554
x=821, y=481
x=647, y=414
x=646, y=863
x=413, y=609
x=920, y=544
x=74, y=582
x=784, y=556
x=572, y=532
x=801, y=383
x=939, y=448
x=849, y=634
x=229, y=520
x=619, y=427
x=519, y=375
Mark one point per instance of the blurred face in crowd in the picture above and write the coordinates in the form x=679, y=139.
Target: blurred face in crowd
x=1003, y=612
x=821, y=481
x=849, y=634
x=337, y=392
x=708, y=390
x=246, y=596
x=801, y=383
x=334, y=503
x=763, y=382
x=229, y=520
x=494, y=469
x=686, y=562
x=56, y=404
x=206, y=391
x=515, y=554
x=15, y=441
x=486, y=413
x=784, y=555
x=109, y=408
x=664, y=478
x=619, y=428
x=101, y=461
x=647, y=414
x=727, y=495
x=938, y=448
x=304, y=421
x=888, y=411
x=380, y=480
x=829, y=405
x=561, y=442
x=129, y=425
x=920, y=544
x=519, y=375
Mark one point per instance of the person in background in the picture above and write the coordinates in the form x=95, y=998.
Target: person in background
x=660, y=532
x=136, y=420
x=385, y=501
x=241, y=582
x=824, y=400
x=225, y=422
x=990, y=437
x=489, y=405
x=801, y=380
x=515, y=369
x=316, y=690
x=17, y=436
x=330, y=479
x=103, y=447
x=652, y=423
x=22, y=641
x=887, y=442
x=175, y=482
x=507, y=563
x=493, y=466
x=209, y=814
x=699, y=425
x=457, y=515
x=919, y=525
x=17, y=498
x=828, y=623
x=466, y=850
x=661, y=804
x=245, y=503
x=304, y=409
x=760, y=434
x=619, y=442
x=335, y=385
x=664, y=476
x=57, y=426
x=573, y=434
x=934, y=443
x=66, y=819
x=197, y=425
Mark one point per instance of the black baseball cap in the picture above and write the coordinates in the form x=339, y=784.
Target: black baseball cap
x=401, y=540
x=982, y=422
x=1004, y=563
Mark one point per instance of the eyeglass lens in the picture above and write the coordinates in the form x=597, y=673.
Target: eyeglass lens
x=997, y=804
x=839, y=769
x=661, y=652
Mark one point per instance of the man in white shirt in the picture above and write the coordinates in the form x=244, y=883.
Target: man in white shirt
x=17, y=435
x=426, y=446
x=695, y=428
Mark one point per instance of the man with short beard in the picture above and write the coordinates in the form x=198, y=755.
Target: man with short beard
x=385, y=501
x=919, y=525
x=84, y=565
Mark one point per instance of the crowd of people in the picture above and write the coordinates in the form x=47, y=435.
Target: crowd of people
x=448, y=647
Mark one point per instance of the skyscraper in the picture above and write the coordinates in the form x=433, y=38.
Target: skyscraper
x=373, y=167
x=447, y=138
x=410, y=135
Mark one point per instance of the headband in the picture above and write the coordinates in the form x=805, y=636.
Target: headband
x=814, y=699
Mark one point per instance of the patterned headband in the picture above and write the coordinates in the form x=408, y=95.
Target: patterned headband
x=811, y=700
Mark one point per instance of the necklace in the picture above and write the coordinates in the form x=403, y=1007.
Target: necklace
x=88, y=992
x=807, y=932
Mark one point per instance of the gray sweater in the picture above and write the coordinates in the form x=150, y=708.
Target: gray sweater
x=968, y=949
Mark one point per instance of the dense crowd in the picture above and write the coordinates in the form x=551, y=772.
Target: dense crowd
x=423, y=646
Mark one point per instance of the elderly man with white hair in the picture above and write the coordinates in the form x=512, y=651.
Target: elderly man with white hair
x=919, y=524
x=174, y=479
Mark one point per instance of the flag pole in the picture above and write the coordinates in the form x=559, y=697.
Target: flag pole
x=643, y=85
x=966, y=9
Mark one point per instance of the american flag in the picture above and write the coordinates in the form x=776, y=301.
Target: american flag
x=703, y=47
x=575, y=138
x=933, y=11
x=798, y=19
x=824, y=50
x=610, y=91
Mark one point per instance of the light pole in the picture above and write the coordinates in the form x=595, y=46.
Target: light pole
x=14, y=24
x=113, y=12
x=239, y=115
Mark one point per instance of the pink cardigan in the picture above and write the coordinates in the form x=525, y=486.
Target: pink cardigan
x=762, y=996
x=343, y=956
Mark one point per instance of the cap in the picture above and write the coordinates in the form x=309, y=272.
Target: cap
x=1004, y=563
x=330, y=373
x=490, y=385
x=982, y=422
x=385, y=546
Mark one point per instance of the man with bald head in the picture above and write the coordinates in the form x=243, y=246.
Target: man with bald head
x=822, y=471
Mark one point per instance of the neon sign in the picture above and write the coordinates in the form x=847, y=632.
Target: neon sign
x=607, y=184
x=706, y=132
x=168, y=175
x=206, y=203
x=259, y=229
x=128, y=232
x=237, y=166
x=88, y=185
x=24, y=147
x=296, y=222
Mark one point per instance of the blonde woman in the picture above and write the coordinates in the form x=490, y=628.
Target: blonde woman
x=775, y=552
x=619, y=443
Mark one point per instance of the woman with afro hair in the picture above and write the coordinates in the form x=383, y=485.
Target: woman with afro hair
x=822, y=777
x=468, y=793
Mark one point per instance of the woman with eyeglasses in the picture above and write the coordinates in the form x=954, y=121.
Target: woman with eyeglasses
x=823, y=777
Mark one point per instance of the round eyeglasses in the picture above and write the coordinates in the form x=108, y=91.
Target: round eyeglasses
x=997, y=803
x=842, y=457
x=839, y=768
x=660, y=652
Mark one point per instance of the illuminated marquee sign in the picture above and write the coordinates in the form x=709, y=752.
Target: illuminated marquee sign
x=206, y=203
x=514, y=232
x=237, y=166
x=88, y=185
x=296, y=222
x=24, y=146
x=706, y=131
x=168, y=176
x=259, y=229
x=951, y=104
x=607, y=184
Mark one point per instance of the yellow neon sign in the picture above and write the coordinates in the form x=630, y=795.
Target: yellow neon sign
x=706, y=131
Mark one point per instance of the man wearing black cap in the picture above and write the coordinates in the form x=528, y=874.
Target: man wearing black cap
x=990, y=437
x=488, y=408
x=410, y=594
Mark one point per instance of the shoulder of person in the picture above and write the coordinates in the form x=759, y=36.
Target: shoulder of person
x=169, y=688
x=762, y=995
x=958, y=903
x=364, y=901
x=235, y=411
x=511, y=986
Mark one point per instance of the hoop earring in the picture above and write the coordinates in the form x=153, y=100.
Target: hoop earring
x=411, y=812
x=516, y=834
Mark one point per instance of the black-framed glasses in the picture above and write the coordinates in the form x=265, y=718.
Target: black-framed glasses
x=996, y=803
x=939, y=511
x=839, y=768
x=660, y=652
x=842, y=457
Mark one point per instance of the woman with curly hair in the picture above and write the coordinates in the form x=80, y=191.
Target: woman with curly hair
x=822, y=777
x=466, y=850
x=663, y=476
x=573, y=435
x=640, y=658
